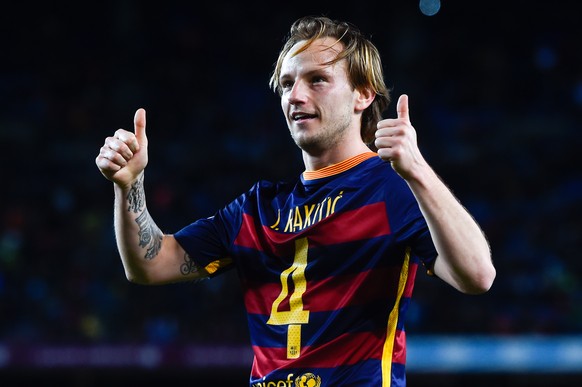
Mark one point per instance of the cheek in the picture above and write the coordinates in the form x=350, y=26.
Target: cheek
x=284, y=105
x=285, y=109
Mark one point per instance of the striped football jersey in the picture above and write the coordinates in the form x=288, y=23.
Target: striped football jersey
x=327, y=265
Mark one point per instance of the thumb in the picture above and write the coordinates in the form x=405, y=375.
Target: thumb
x=139, y=124
x=402, y=107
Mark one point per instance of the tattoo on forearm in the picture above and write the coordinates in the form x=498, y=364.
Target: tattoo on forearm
x=188, y=267
x=136, y=196
x=150, y=236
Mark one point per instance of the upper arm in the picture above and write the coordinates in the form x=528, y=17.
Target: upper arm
x=171, y=264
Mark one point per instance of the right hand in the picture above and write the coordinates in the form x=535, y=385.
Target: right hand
x=124, y=156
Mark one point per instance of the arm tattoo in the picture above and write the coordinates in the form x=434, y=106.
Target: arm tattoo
x=136, y=196
x=149, y=234
x=189, y=266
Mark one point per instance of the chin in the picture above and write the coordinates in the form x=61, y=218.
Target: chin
x=311, y=145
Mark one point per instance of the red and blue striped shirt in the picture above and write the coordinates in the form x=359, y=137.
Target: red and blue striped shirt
x=327, y=265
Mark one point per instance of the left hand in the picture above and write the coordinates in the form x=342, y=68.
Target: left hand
x=396, y=142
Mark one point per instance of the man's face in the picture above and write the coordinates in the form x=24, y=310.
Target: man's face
x=317, y=99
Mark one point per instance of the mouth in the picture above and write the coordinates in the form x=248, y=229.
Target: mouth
x=301, y=116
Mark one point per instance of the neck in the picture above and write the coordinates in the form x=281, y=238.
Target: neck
x=317, y=160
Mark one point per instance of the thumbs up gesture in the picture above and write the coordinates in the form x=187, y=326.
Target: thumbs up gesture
x=124, y=156
x=396, y=142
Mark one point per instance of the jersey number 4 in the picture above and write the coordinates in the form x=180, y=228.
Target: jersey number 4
x=296, y=315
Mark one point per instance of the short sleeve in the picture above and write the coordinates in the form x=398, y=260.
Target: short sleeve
x=208, y=241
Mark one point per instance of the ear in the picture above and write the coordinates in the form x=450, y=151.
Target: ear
x=364, y=97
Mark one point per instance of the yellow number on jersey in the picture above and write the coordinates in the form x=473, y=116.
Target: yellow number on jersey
x=296, y=314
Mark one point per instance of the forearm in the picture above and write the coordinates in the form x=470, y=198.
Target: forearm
x=464, y=257
x=139, y=239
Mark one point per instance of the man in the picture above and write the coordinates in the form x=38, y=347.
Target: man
x=327, y=262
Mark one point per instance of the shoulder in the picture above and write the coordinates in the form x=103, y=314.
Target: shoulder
x=271, y=188
x=263, y=191
x=384, y=180
x=377, y=170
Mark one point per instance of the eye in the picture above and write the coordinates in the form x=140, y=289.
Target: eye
x=317, y=79
x=285, y=84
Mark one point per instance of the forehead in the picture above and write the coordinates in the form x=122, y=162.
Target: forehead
x=320, y=52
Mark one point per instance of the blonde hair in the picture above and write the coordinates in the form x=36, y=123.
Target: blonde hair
x=363, y=63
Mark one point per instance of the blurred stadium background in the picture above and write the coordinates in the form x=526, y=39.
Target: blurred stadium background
x=496, y=97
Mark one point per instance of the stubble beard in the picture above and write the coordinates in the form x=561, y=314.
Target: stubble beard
x=326, y=137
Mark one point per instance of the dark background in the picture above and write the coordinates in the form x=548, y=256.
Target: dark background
x=495, y=92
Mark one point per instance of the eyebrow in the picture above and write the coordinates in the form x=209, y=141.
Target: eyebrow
x=319, y=70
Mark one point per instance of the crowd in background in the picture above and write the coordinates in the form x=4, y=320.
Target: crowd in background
x=495, y=95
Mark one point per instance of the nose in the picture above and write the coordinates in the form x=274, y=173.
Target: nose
x=298, y=93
